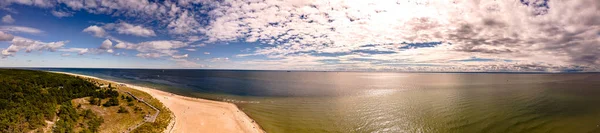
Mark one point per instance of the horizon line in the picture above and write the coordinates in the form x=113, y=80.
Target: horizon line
x=293, y=70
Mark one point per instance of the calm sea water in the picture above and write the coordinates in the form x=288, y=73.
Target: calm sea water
x=389, y=102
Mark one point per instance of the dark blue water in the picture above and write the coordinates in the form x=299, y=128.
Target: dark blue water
x=241, y=83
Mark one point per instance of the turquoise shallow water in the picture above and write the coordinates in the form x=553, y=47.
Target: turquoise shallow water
x=389, y=102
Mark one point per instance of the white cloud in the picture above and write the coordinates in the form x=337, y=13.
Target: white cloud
x=184, y=24
x=5, y=36
x=190, y=49
x=191, y=38
x=187, y=64
x=179, y=56
x=65, y=54
x=19, y=43
x=162, y=46
x=105, y=47
x=198, y=45
x=121, y=7
x=79, y=51
x=552, y=34
x=8, y=19
x=130, y=29
x=149, y=55
x=40, y=3
x=487, y=29
x=20, y=29
x=61, y=14
x=225, y=59
x=106, y=44
x=121, y=45
x=207, y=53
x=148, y=49
x=95, y=30
x=121, y=28
x=157, y=49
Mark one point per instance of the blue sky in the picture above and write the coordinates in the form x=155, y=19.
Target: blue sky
x=421, y=35
x=70, y=28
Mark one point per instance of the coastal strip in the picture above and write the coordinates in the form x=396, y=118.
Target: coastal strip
x=198, y=115
x=146, y=119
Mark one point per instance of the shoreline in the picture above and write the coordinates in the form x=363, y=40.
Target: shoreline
x=196, y=114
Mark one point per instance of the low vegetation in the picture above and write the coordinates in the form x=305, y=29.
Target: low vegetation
x=70, y=118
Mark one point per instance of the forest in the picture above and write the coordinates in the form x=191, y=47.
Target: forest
x=29, y=98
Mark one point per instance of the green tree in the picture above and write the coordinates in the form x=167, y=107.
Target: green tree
x=113, y=101
x=93, y=101
x=122, y=110
x=29, y=97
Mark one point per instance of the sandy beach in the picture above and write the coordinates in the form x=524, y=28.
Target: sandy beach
x=195, y=115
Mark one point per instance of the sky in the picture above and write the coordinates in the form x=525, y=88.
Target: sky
x=347, y=35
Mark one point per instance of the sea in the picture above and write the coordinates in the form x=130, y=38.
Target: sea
x=382, y=102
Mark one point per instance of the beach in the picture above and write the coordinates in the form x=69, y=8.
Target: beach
x=198, y=115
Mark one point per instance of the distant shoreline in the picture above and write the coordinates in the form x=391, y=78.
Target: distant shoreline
x=195, y=114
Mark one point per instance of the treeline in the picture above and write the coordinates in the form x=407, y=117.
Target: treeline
x=28, y=97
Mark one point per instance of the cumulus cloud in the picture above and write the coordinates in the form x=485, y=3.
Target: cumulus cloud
x=105, y=47
x=179, y=56
x=162, y=47
x=130, y=29
x=128, y=8
x=207, y=53
x=147, y=49
x=154, y=49
x=61, y=14
x=20, y=29
x=106, y=44
x=8, y=19
x=149, y=55
x=198, y=45
x=177, y=16
x=40, y=3
x=225, y=59
x=5, y=36
x=190, y=49
x=19, y=43
x=383, y=34
x=191, y=38
x=498, y=29
x=121, y=45
x=184, y=24
x=80, y=51
x=187, y=64
x=120, y=28
x=95, y=30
